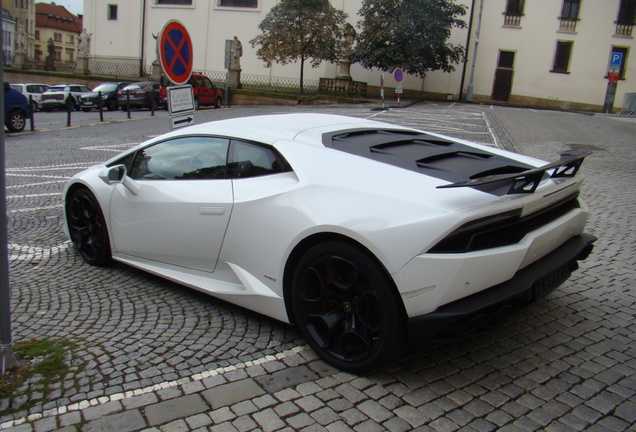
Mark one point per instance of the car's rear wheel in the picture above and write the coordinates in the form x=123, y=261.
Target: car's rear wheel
x=16, y=121
x=112, y=105
x=347, y=307
x=217, y=103
x=87, y=227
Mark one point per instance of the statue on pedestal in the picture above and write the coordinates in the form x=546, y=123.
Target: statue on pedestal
x=83, y=46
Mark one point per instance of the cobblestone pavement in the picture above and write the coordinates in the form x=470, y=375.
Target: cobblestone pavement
x=150, y=355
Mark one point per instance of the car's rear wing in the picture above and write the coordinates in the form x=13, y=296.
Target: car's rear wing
x=526, y=181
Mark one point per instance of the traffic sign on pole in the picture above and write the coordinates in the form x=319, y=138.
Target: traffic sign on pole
x=398, y=74
x=175, y=52
x=616, y=60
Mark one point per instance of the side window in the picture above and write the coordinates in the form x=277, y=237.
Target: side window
x=208, y=83
x=126, y=161
x=189, y=158
x=253, y=160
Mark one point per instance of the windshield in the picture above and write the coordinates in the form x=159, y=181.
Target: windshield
x=106, y=87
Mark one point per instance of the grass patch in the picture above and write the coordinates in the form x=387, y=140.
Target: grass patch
x=44, y=362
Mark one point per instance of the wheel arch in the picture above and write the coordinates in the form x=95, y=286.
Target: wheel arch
x=302, y=247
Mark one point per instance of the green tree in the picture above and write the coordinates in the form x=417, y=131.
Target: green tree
x=410, y=34
x=299, y=30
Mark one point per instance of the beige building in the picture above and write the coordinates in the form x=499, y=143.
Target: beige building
x=553, y=53
x=58, y=28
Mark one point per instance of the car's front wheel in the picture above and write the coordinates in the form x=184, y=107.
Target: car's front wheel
x=16, y=121
x=87, y=227
x=347, y=307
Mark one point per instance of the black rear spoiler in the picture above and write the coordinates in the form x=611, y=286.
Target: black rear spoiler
x=527, y=181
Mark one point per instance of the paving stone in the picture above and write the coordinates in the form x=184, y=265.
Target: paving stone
x=127, y=421
x=232, y=393
x=300, y=421
x=286, y=378
x=268, y=420
x=101, y=410
x=172, y=409
x=375, y=411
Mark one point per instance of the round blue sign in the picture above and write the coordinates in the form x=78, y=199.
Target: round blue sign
x=398, y=75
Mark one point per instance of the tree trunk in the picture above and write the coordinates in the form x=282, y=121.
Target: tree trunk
x=302, y=74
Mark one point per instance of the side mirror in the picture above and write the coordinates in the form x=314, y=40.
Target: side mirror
x=117, y=175
x=113, y=175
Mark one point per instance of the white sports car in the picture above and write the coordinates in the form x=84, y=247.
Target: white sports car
x=370, y=237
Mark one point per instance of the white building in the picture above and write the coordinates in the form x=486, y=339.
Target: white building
x=552, y=53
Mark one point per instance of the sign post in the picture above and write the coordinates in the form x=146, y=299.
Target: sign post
x=176, y=59
x=613, y=76
x=382, y=88
x=398, y=74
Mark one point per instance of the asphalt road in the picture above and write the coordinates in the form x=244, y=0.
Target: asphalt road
x=148, y=354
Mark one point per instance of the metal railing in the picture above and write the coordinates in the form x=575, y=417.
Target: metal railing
x=512, y=20
x=132, y=70
x=624, y=29
x=278, y=84
x=117, y=69
x=568, y=25
x=44, y=64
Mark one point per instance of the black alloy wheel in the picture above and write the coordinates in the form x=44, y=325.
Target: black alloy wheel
x=347, y=307
x=87, y=228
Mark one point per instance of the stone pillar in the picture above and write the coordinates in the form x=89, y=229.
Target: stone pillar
x=235, y=77
x=155, y=74
x=19, y=60
x=81, y=66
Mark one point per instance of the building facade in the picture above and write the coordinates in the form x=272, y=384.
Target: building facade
x=23, y=12
x=56, y=30
x=552, y=53
x=8, y=37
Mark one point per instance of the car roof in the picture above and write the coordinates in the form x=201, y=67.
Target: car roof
x=268, y=129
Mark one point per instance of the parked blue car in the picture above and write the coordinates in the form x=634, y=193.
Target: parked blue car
x=16, y=109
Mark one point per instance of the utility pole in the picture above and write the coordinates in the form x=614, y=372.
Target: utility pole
x=469, y=90
x=7, y=357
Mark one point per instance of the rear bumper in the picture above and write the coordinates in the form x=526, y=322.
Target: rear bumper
x=489, y=308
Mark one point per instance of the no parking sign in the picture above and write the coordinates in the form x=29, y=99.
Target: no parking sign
x=175, y=52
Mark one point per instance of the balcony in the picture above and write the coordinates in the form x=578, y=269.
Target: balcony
x=624, y=30
x=512, y=19
x=567, y=25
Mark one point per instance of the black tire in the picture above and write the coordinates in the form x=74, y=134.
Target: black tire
x=16, y=121
x=347, y=307
x=87, y=227
x=217, y=103
x=197, y=106
x=86, y=109
x=112, y=105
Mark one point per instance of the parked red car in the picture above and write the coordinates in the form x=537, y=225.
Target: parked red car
x=204, y=91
